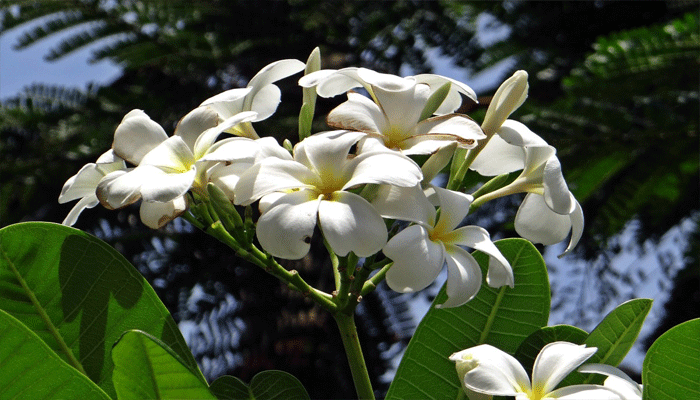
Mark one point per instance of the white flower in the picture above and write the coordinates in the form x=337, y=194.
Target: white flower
x=330, y=83
x=420, y=251
x=508, y=97
x=489, y=370
x=549, y=211
x=169, y=169
x=616, y=381
x=295, y=194
x=393, y=119
x=83, y=184
x=260, y=96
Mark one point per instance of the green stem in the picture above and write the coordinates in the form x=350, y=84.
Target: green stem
x=377, y=278
x=351, y=343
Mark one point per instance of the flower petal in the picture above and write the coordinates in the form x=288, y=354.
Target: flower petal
x=331, y=83
x=518, y=134
x=556, y=192
x=358, y=113
x=350, y=223
x=265, y=102
x=275, y=71
x=492, y=371
x=121, y=188
x=164, y=186
x=225, y=177
x=417, y=260
x=584, y=392
x=461, y=128
x=556, y=361
x=463, y=277
x=194, y=123
x=498, y=157
x=173, y=155
x=239, y=149
x=86, y=202
x=228, y=103
x=285, y=229
x=537, y=223
x=500, y=272
x=382, y=167
x=136, y=135
x=81, y=184
x=156, y=215
x=271, y=175
x=616, y=380
x=404, y=203
x=326, y=152
x=454, y=207
x=206, y=140
x=576, y=228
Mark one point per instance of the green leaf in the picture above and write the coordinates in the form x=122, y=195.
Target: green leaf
x=266, y=385
x=79, y=295
x=230, y=388
x=502, y=317
x=277, y=385
x=672, y=367
x=614, y=337
x=146, y=368
x=29, y=369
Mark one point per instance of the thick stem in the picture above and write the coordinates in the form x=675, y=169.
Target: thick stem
x=351, y=343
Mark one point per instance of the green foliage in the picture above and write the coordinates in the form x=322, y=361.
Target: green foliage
x=266, y=385
x=146, y=368
x=613, y=337
x=32, y=370
x=501, y=317
x=79, y=295
x=671, y=367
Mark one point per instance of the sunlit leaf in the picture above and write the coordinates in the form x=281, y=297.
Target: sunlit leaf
x=501, y=317
x=79, y=295
x=672, y=365
x=145, y=368
x=29, y=369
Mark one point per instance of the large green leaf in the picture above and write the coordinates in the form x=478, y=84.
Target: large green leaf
x=613, y=337
x=146, y=368
x=672, y=364
x=29, y=369
x=501, y=317
x=79, y=295
x=266, y=385
x=533, y=344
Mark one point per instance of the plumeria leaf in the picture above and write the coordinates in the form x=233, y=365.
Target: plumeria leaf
x=503, y=317
x=531, y=346
x=266, y=385
x=613, y=337
x=146, y=368
x=79, y=295
x=30, y=369
x=435, y=100
x=671, y=369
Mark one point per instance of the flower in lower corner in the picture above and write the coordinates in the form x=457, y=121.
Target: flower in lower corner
x=489, y=370
x=420, y=251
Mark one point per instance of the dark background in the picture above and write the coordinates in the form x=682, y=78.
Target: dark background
x=613, y=85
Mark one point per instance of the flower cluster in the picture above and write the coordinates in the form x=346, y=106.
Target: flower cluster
x=357, y=183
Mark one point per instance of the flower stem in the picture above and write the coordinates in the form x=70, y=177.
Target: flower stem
x=351, y=343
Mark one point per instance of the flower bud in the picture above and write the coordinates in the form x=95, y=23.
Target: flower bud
x=509, y=96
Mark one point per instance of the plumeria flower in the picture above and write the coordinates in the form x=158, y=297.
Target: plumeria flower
x=83, y=184
x=313, y=187
x=331, y=82
x=489, y=370
x=550, y=211
x=420, y=251
x=393, y=119
x=616, y=381
x=508, y=98
x=177, y=164
x=260, y=96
